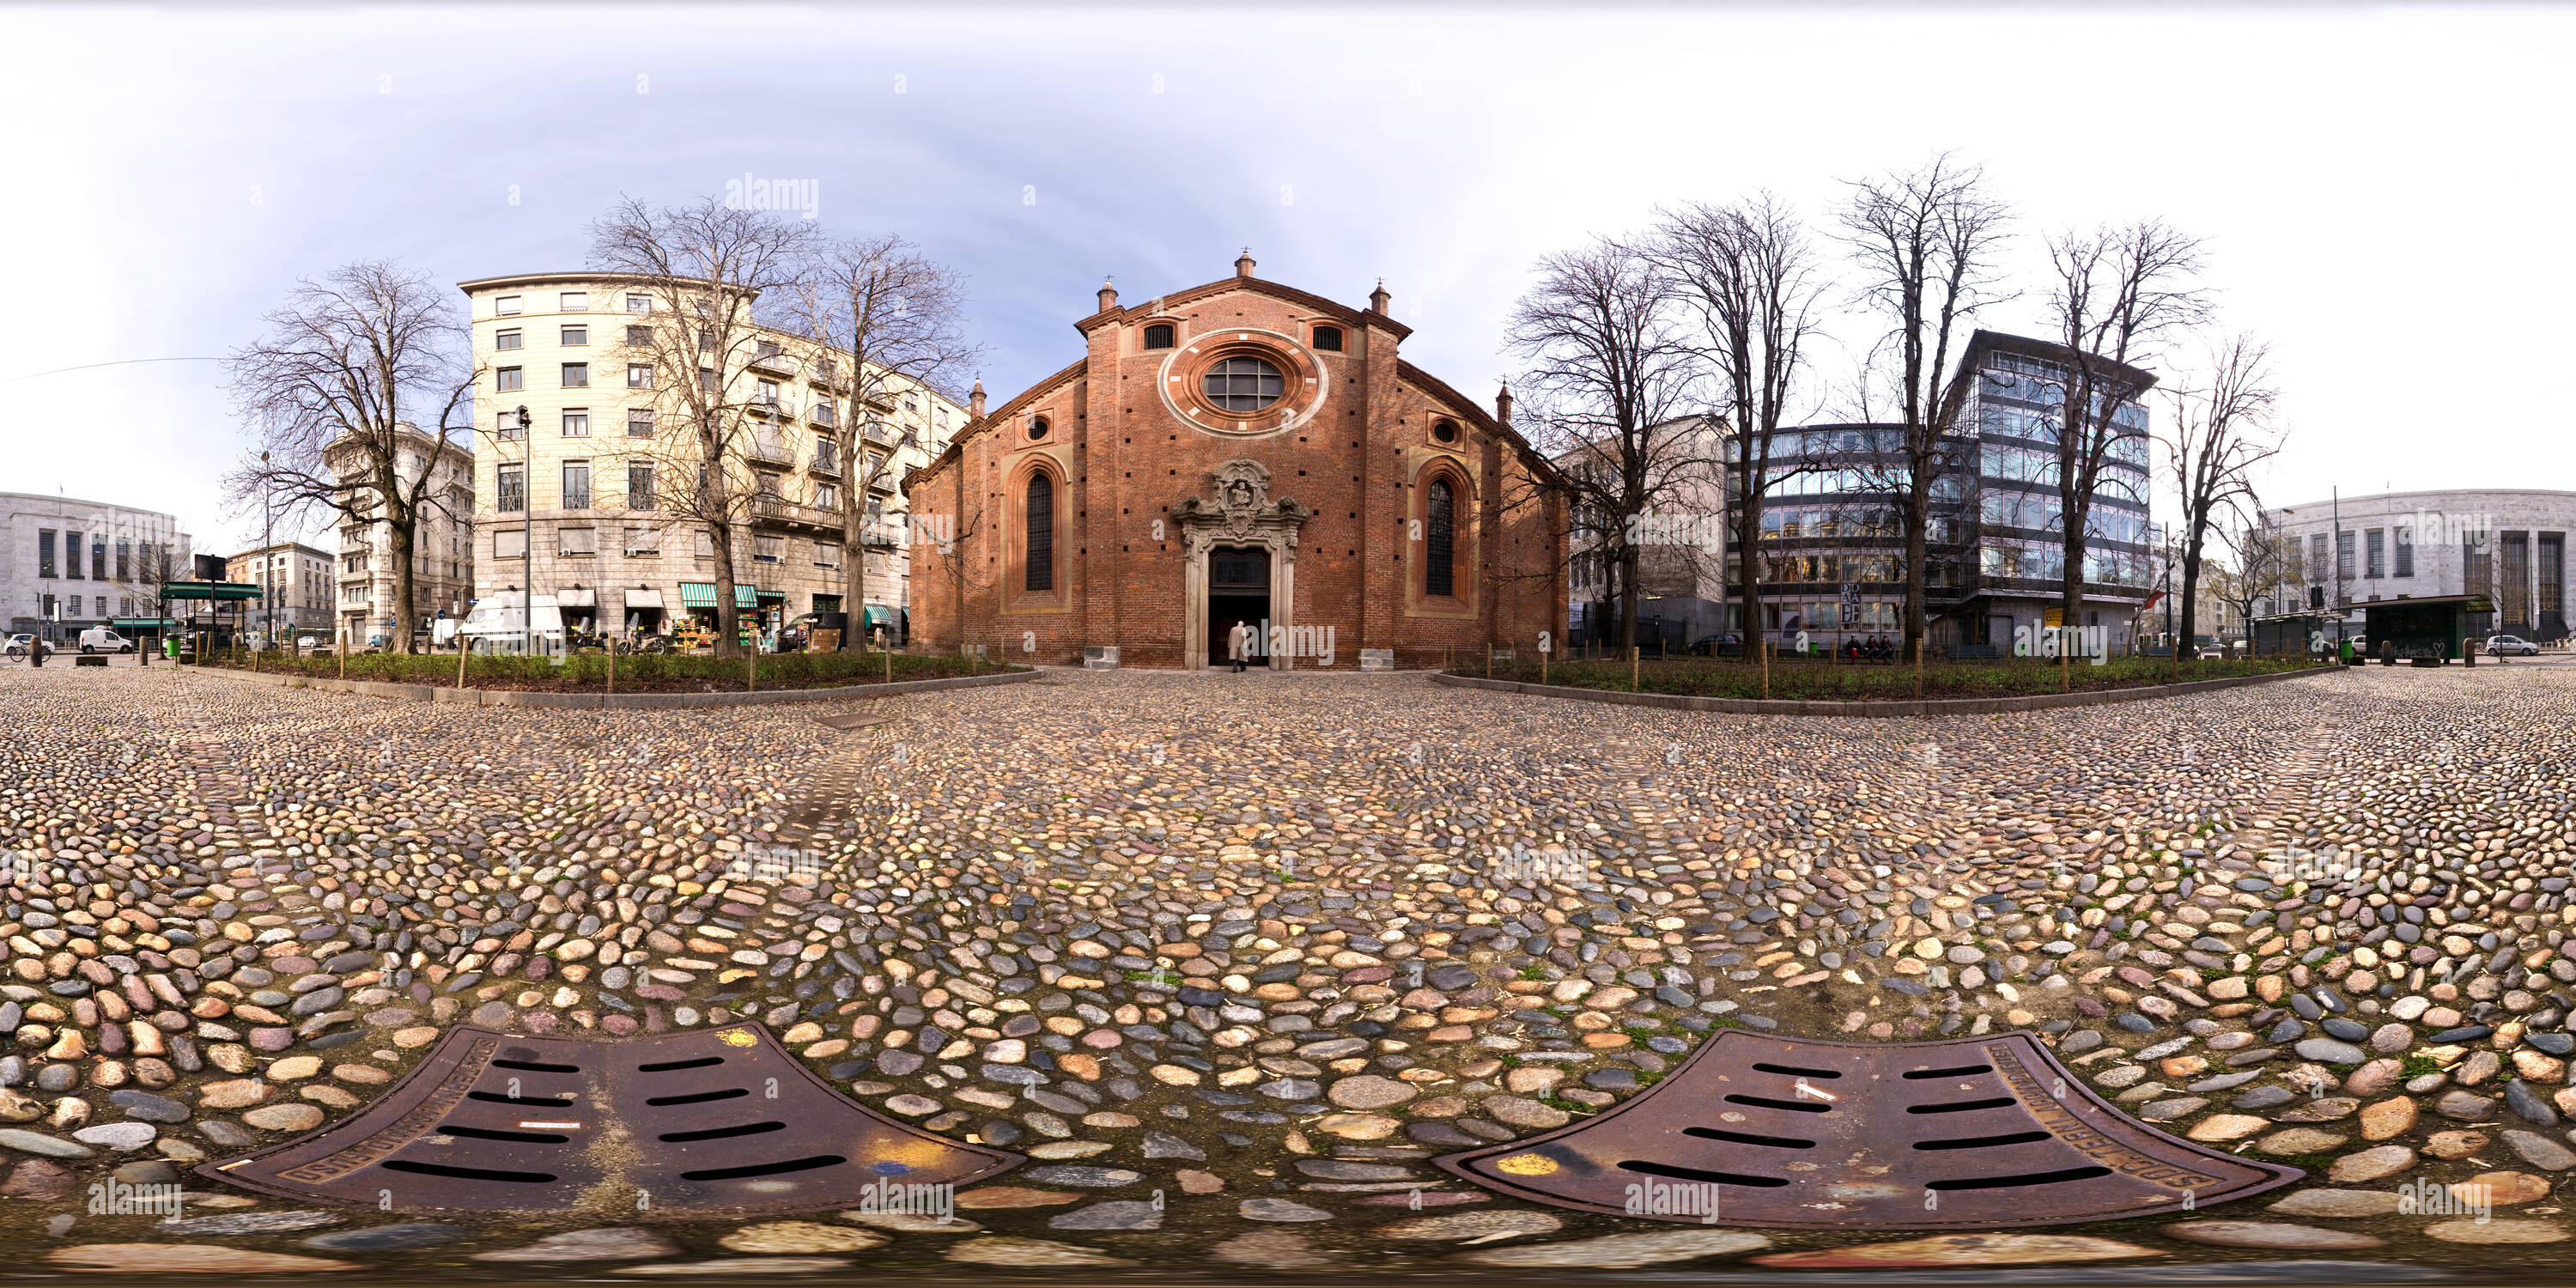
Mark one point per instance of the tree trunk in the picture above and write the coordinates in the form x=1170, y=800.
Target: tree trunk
x=1629, y=597
x=2071, y=576
x=404, y=531
x=728, y=618
x=853, y=537
x=2190, y=597
x=1918, y=543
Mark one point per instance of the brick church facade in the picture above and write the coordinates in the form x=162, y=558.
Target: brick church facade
x=1239, y=451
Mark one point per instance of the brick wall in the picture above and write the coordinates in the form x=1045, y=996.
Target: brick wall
x=1358, y=453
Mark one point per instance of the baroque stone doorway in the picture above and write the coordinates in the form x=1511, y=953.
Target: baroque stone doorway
x=1256, y=532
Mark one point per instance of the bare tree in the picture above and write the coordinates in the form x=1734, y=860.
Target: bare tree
x=1926, y=241
x=1600, y=333
x=2262, y=556
x=1744, y=274
x=705, y=267
x=900, y=317
x=333, y=393
x=2217, y=436
x=2117, y=293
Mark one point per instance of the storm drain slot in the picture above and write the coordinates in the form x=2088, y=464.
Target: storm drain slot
x=1768, y=1131
x=720, y=1121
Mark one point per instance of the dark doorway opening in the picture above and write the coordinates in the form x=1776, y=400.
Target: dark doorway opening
x=1238, y=591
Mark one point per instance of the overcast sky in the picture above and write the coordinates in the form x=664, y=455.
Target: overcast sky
x=2383, y=190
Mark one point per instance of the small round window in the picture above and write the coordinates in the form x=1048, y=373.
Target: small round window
x=1445, y=430
x=1243, y=384
x=1037, y=429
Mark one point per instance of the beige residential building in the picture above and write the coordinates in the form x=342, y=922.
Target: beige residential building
x=442, y=544
x=585, y=471
x=299, y=583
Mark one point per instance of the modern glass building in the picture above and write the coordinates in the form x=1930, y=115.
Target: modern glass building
x=1831, y=556
x=2008, y=400
x=1832, y=550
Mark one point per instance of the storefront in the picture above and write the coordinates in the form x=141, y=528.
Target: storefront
x=885, y=625
x=643, y=611
x=580, y=609
x=698, y=599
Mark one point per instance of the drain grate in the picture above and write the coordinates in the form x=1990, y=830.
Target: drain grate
x=1925, y=1136
x=716, y=1121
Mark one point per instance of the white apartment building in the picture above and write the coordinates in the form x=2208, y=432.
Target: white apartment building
x=442, y=543
x=2506, y=543
x=583, y=473
x=298, y=585
x=89, y=562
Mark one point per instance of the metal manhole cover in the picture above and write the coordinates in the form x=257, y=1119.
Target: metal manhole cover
x=852, y=720
x=1767, y=1131
x=715, y=1121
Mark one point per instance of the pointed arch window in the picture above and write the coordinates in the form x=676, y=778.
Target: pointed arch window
x=1440, y=540
x=1041, y=531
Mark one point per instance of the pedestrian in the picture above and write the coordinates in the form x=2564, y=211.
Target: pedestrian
x=1234, y=640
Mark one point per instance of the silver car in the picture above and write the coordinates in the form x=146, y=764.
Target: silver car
x=2504, y=645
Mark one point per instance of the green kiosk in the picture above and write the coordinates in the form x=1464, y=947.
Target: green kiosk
x=2428, y=631
x=235, y=593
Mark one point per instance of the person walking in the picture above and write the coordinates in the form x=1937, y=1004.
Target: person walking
x=1234, y=647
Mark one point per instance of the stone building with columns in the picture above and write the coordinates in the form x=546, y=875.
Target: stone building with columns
x=1240, y=451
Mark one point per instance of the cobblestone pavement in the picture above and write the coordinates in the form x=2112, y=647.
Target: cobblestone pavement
x=1230, y=956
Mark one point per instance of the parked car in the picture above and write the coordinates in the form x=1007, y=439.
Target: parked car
x=101, y=639
x=19, y=645
x=2503, y=645
x=1726, y=645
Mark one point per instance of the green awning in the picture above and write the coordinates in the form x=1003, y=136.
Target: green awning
x=143, y=623
x=880, y=615
x=210, y=590
x=702, y=594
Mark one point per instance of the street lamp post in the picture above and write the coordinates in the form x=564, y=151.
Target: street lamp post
x=527, y=534
x=267, y=538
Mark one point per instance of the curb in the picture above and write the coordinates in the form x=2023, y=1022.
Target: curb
x=614, y=701
x=1907, y=707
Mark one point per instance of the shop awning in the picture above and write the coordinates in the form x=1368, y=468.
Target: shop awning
x=144, y=623
x=650, y=598
x=702, y=594
x=577, y=598
x=880, y=615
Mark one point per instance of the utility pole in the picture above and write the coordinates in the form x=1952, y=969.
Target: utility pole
x=2337, y=495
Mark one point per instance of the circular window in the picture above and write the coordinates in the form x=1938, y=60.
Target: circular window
x=1037, y=430
x=1445, y=430
x=1243, y=384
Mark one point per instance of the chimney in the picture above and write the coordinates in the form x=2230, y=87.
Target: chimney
x=1243, y=263
x=1503, y=406
x=975, y=402
x=1379, y=299
x=1108, y=295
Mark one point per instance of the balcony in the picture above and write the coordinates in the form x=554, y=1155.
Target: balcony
x=775, y=363
x=772, y=510
x=771, y=450
x=825, y=463
x=878, y=431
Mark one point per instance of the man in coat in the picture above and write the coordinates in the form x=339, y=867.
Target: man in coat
x=1234, y=640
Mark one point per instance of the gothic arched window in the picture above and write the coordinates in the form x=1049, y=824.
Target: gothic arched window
x=1041, y=533
x=1439, y=540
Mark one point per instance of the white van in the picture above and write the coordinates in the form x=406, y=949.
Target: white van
x=100, y=639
